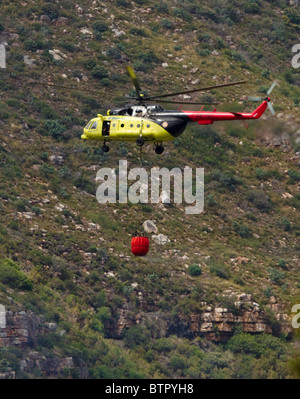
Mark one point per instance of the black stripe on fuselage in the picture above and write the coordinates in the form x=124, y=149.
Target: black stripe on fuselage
x=174, y=122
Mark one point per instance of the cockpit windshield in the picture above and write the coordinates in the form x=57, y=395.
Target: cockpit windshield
x=94, y=125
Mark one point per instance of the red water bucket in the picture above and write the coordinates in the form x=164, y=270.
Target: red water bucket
x=139, y=246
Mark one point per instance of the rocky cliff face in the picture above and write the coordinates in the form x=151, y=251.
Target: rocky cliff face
x=216, y=324
x=22, y=329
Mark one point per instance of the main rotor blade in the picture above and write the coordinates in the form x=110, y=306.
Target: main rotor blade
x=270, y=106
x=272, y=87
x=196, y=90
x=134, y=80
x=183, y=102
x=251, y=98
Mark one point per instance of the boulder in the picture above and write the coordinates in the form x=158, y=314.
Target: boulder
x=160, y=239
x=149, y=227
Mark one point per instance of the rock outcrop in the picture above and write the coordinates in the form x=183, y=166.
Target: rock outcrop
x=217, y=324
x=22, y=330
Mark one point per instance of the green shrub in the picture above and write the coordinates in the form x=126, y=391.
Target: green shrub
x=51, y=11
x=33, y=45
x=21, y=204
x=242, y=230
x=203, y=52
x=276, y=276
x=47, y=170
x=260, y=199
x=114, y=52
x=210, y=200
x=9, y=359
x=286, y=224
x=177, y=362
x=167, y=24
x=220, y=270
x=162, y=7
x=54, y=128
x=283, y=264
x=68, y=46
x=255, y=345
x=99, y=72
x=181, y=13
x=251, y=8
x=89, y=63
x=194, y=270
x=135, y=336
x=138, y=31
x=84, y=184
x=100, y=26
x=294, y=176
x=11, y=275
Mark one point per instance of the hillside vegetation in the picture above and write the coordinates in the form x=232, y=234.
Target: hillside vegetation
x=67, y=258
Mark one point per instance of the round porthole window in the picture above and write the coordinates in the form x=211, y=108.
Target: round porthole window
x=122, y=125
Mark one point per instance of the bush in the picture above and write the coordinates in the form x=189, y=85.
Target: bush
x=260, y=199
x=167, y=24
x=286, y=224
x=84, y=184
x=99, y=72
x=114, y=52
x=33, y=45
x=220, y=271
x=256, y=345
x=11, y=275
x=276, y=276
x=194, y=270
x=55, y=129
x=294, y=176
x=135, y=336
x=177, y=362
x=47, y=170
x=51, y=11
x=90, y=63
x=138, y=32
x=100, y=26
x=242, y=230
x=251, y=8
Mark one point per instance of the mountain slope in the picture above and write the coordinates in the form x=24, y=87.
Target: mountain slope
x=89, y=306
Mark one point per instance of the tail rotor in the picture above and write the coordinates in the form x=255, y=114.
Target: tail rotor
x=270, y=106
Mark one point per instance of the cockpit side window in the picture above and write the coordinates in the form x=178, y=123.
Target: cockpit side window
x=94, y=125
x=88, y=125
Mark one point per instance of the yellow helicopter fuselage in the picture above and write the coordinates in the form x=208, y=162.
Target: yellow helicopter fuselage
x=125, y=128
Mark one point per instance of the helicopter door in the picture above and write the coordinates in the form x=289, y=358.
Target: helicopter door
x=105, y=128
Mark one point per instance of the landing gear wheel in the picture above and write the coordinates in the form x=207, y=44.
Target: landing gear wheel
x=105, y=148
x=159, y=149
x=140, y=141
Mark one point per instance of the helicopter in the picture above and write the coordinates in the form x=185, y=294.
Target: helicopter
x=143, y=121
